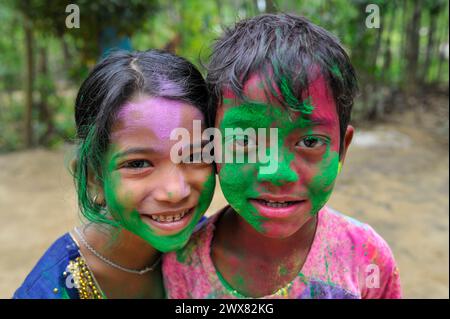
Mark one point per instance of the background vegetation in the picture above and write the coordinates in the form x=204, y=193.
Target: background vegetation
x=42, y=62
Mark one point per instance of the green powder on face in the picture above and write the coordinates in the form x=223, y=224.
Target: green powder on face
x=239, y=179
x=322, y=184
x=227, y=101
x=305, y=106
x=282, y=270
x=131, y=219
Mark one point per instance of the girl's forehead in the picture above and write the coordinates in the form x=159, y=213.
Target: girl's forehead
x=158, y=115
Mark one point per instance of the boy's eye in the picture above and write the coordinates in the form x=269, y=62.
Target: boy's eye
x=311, y=142
x=137, y=164
x=243, y=142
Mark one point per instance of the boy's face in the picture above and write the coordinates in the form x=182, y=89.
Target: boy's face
x=307, y=157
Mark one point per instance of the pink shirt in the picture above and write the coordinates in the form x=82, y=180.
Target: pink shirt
x=348, y=259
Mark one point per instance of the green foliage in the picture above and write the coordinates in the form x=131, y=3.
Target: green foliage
x=188, y=27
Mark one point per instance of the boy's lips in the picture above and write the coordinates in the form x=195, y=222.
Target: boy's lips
x=169, y=222
x=277, y=207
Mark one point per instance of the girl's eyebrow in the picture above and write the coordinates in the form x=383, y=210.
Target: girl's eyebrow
x=135, y=150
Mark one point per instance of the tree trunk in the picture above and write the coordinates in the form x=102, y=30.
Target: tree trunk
x=434, y=14
x=29, y=79
x=412, y=47
x=66, y=54
x=45, y=114
x=271, y=6
x=387, y=59
x=404, y=35
x=440, y=77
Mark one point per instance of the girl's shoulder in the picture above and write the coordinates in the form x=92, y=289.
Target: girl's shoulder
x=49, y=277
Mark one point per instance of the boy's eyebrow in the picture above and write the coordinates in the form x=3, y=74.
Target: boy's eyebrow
x=234, y=121
x=322, y=121
x=248, y=113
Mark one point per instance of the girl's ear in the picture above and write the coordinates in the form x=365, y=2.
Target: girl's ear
x=95, y=189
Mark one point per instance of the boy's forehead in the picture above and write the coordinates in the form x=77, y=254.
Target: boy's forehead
x=256, y=89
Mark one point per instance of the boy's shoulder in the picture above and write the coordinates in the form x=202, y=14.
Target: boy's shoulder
x=46, y=279
x=352, y=253
x=340, y=228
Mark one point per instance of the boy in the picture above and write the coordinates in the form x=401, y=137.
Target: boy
x=277, y=239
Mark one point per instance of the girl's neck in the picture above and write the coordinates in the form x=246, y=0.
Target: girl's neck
x=120, y=246
x=127, y=250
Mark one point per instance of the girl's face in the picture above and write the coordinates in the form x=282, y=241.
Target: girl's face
x=145, y=191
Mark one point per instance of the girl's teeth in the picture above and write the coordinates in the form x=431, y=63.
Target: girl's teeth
x=171, y=218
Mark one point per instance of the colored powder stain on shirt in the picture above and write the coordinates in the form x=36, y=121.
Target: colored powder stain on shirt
x=322, y=275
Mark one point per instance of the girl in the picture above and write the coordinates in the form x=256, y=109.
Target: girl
x=139, y=202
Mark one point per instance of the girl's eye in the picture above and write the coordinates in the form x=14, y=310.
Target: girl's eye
x=195, y=157
x=137, y=164
x=311, y=142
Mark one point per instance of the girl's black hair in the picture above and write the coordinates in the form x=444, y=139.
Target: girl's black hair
x=113, y=82
x=288, y=50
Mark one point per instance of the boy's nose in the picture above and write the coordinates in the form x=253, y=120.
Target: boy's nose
x=173, y=186
x=283, y=174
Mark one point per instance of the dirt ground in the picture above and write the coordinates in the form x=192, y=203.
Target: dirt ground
x=396, y=178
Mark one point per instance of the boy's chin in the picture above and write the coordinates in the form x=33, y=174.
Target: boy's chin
x=283, y=230
x=279, y=232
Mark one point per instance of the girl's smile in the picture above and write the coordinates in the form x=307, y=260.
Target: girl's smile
x=159, y=200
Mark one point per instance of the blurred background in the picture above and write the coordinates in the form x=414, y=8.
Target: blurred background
x=396, y=176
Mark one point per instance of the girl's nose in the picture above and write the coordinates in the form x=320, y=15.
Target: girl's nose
x=173, y=186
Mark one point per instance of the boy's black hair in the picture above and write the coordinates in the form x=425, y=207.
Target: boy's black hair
x=113, y=82
x=288, y=50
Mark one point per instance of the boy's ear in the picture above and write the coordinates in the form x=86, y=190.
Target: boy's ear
x=347, y=140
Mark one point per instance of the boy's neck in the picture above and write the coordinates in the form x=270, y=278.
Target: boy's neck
x=246, y=238
x=246, y=258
